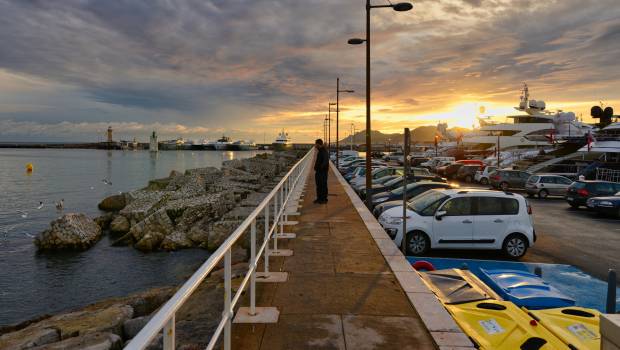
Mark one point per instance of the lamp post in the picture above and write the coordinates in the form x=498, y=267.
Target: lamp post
x=400, y=7
x=338, y=91
x=352, y=135
x=329, y=127
x=325, y=128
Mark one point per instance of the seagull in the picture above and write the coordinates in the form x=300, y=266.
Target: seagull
x=107, y=182
x=60, y=204
x=24, y=214
x=40, y=205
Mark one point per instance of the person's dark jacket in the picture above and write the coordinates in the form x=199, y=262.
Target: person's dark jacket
x=322, y=160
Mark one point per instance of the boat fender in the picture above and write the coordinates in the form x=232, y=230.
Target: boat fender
x=423, y=265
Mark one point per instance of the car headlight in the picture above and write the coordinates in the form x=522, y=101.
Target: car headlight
x=605, y=204
x=395, y=221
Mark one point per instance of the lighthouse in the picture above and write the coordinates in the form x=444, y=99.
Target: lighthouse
x=110, y=134
x=153, y=146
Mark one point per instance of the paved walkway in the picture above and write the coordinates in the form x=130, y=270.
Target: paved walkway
x=340, y=293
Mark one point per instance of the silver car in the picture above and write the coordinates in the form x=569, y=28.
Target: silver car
x=547, y=185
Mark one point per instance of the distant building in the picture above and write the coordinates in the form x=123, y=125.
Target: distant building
x=110, y=134
x=153, y=146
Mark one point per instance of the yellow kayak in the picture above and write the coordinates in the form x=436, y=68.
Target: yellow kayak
x=495, y=324
x=456, y=286
x=575, y=326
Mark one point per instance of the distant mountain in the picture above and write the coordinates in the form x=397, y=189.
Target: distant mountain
x=423, y=134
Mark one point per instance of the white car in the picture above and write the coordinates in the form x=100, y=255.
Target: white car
x=463, y=219
x=482, y=176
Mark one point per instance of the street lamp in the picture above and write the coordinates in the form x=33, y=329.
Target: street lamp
x=338, y=91
x=329, y=123
x=400, y=7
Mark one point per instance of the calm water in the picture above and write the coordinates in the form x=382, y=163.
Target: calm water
x=32, y=284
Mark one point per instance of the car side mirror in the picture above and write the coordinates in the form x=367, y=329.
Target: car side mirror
x=440, y=214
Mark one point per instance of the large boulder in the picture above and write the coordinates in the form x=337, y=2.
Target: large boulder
x=120, y=224
x=71, y=231
x=29, y=337
x=150, y=241
x=176, y=240
x=113, y=203
x=219, y=232
x=91, y=341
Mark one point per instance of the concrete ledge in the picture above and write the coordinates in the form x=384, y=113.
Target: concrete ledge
x=286, y=235
x=610, y=331
x=442, y=327
x=281, y=252
x=271, y=277
x=263, y=315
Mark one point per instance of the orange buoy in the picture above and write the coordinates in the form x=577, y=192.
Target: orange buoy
x=423, y=265
x=29, y=167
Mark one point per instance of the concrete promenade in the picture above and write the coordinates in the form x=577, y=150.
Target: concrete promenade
x=340, y=293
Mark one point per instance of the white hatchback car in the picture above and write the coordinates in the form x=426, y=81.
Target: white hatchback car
x=463, y=219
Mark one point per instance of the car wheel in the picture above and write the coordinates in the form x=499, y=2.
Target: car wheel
x=484, y=181
x=504, y=186
x=417, y=243
x=543, y=194
x=468, y=179
x=515, y=246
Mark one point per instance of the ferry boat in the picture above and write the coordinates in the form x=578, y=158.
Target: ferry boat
x=534, y=128
x=282, y=142
x=223, y=144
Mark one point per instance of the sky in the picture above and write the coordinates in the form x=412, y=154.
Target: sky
x=249, y=68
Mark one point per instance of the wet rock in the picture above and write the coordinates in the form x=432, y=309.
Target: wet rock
x=104, y=220
x=120, y=224
x=92, y=341
x=29, y=337
x=176, y=240
x=113, y=203
x=133, y=326
x=71, y=231
x=149, y=241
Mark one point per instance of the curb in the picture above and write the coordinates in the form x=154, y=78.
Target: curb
x=439, y=323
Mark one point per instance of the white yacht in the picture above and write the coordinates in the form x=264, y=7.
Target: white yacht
x=243, y=145
x=282, y=142
x=223, y=144
x=535, y=128
x=606, y=143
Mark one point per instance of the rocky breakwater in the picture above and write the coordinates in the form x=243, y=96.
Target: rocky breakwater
x=198, y=208
x=71, y=231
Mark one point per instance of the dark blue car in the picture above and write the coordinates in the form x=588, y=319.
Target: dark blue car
x=605, y=205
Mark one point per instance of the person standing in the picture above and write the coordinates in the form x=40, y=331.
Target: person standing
x=321, y=167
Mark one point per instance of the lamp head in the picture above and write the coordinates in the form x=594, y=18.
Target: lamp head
x=402, y=7
x=356, y=41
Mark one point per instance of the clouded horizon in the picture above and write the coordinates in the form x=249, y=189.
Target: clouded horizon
x=200, y=68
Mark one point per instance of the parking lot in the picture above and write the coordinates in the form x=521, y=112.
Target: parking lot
x=577, y=237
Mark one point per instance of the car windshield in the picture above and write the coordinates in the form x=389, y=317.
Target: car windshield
x=427, y=203
x=402, y=188
x=394, y=181
x=533, y=179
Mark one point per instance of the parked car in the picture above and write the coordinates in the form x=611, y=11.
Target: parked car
x=482, y=176
x=377, y=174
x=417, y=161
x=434, y=162
x=467, y=172
x=581, y=190
x=420, y=188
x=547, y=185
x=358, y=171
x=394, y=157
x=449, y=171
x=605, y=205
x=463, y=219
x=377, y=182
x=505, y=179
x=398, y=182
x=477, y=162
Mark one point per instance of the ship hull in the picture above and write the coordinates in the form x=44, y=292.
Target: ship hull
x=281, y=146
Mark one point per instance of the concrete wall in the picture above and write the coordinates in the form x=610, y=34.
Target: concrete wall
x=610, y=332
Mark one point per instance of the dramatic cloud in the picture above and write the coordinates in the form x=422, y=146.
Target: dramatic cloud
x=249, y=68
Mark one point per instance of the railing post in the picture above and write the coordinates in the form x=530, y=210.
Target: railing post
x=169, y=334
x=227, y=299
x=254, y=263
x=276, y=221
x=266, y=238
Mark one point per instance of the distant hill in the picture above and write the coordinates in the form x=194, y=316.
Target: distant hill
x=423, y=134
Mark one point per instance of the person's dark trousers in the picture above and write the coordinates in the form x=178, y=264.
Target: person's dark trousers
x=320, y=178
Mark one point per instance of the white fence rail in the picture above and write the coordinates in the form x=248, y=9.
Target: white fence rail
x=288, y=190
x=608, y=174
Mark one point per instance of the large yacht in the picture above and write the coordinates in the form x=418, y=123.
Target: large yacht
x=282, y=142
x=223, y=144
x=534, y=128
x=243, y=145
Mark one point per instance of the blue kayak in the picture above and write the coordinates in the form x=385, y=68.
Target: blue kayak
x=525, y=289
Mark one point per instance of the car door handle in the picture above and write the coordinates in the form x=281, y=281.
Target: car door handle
x=498, y=221
x=467, y=221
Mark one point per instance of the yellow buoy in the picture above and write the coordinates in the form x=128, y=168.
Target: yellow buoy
x=29, y=167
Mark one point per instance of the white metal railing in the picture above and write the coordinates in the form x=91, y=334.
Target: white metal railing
x=287, y=190
x=605, y=174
